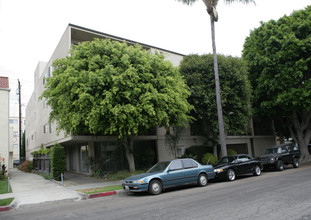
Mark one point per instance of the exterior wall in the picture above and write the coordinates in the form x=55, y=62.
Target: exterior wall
x=261, y=143
x=4, y=125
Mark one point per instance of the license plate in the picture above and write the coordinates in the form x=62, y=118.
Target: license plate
x=127, y=187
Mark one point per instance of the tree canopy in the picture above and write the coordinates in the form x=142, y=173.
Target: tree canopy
x=278, y=56
x=235, y=93
x=106, y=87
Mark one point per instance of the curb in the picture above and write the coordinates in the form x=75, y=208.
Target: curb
x=110, y=193
x=4, y=208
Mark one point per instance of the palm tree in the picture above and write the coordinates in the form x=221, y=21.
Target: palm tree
x=211, y=10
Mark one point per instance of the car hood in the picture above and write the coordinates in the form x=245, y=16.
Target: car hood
x=139, y=176
x=221, y=165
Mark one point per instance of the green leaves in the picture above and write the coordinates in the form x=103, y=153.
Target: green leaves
x=235, y=92
x=278, y=56
x=110, y=88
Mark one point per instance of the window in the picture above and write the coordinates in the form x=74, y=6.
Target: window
x=45, y=103
x=15, y=134
x=180, y=151
x=13, y=121
x=50, y=71
x=45, y=128
x=176, y=165
x=50, y=127
x=15, y=146
x=189, y=164
x=244, y=158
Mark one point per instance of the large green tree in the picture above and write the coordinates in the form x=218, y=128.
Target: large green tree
x=109, y=88
x=211, y=10
x=199, y=75
x=279, y=58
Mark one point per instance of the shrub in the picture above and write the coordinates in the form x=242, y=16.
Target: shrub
x=27, y=166
x=58, y=161
x=209, y=158
x=231, y=152
x=198, y=151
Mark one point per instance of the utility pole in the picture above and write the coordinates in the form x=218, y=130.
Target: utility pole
x=20, y=120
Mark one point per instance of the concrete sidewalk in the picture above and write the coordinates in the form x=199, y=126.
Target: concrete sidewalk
x=29, y=188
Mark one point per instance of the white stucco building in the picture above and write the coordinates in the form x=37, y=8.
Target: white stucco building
x=39, y=132
x=4, y=121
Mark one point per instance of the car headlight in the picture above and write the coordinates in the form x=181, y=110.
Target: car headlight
x=139, y=181
x=218, y=170
x=272, y=159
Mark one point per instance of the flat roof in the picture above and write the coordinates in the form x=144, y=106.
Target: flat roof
x=123, y=39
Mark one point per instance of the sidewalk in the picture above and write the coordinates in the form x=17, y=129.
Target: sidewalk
x=29, y=188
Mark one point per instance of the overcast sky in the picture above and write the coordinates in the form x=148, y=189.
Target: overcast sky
x=31, y=29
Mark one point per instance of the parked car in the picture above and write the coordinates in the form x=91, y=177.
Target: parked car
x=168, y=174
x=15, y=163
x=280, y=155
x=230, y=167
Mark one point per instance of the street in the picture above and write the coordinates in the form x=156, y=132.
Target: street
x=273, y=195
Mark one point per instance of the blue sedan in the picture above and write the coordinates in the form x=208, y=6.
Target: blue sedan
x=168, y=174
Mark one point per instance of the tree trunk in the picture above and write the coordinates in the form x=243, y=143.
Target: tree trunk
x=222, y=137
x=300, y=130
x=128, y=143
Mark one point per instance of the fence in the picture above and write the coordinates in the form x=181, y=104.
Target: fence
x=42, y=162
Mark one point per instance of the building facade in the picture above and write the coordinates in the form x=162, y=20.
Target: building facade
x=83, y=152
x=4, y=121
x=15, y=138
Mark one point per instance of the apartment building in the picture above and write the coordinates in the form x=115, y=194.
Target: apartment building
x=79, y=149
x=15, y=138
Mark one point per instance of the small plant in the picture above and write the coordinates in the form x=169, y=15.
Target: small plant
x=27, y=166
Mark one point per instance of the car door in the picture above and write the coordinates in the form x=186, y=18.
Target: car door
x=190, y=171
x=174, y=175
x=243, y=164
x=286, y=157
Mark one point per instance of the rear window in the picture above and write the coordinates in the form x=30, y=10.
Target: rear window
x=189, y=164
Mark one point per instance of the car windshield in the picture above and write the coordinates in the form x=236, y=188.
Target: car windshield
x=226, y=160
x=274, y=150
x=159, y=167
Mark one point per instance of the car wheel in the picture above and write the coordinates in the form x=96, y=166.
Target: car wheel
x=279, y=165
x=257, y=170
x=295, y=163
x=230, y=175
x=155, y=187
x=202, y=180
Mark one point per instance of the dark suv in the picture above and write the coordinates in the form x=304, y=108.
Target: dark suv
x=278, y=156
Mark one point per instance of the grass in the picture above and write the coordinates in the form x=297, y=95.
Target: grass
x=3, y=186
x=5, y=202
x=120, y=175
x=101, y=189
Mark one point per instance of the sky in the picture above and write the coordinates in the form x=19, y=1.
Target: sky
x=30, y=30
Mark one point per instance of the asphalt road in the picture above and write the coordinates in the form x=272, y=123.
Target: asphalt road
x=273, y=195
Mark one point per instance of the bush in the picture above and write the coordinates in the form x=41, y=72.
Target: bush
x=58, y=161
x=27, y=166
x=231, y=152
x=209, y=158
x=198, y=151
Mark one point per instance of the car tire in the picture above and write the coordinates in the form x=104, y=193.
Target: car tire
x=279, y=165
x=231, y=175
x=295, y=163
x=202, y=180
x=155, y=187
x=257, y=171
